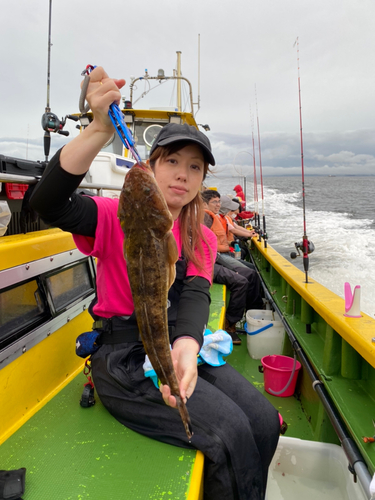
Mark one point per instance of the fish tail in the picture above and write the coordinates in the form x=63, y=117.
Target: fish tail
x=184, y=414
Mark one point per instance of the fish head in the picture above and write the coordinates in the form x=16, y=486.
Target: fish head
x=142, y=203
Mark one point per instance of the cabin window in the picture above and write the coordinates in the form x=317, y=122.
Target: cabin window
x=30, y=304
x=21, y=308
x=144, y=136
x=69, y=285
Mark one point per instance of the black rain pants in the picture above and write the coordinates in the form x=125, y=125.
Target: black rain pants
x=234, y=425
x=237, y=286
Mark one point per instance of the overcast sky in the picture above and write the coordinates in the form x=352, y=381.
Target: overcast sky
x=243, y=43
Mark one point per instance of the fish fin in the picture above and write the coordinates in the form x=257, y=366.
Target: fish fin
x=172, y=257
x=184, y=414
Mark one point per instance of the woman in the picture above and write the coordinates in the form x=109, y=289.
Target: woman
x=233, y=424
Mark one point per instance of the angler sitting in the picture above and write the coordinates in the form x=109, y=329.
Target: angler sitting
x=233, y=423
x=238, y=287
x=219, y=225
x=228, y=213
x=215, y=209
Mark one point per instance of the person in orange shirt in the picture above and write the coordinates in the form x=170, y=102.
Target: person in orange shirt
x=212, y=219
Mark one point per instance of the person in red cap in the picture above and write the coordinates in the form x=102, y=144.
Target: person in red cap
x=240, y=194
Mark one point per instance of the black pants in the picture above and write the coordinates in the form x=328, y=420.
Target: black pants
x=234, y=425
x=253, y=295
x=237, y=285
x=254, y=290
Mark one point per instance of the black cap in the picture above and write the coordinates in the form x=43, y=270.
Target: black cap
x=174, y=132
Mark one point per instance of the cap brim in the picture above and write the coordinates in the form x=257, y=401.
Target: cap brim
x=176, y=138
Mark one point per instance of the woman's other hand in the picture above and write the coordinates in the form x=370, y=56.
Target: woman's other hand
x=184, y=357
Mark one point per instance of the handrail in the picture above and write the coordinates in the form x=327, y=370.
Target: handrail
x=164, y=78
x=24, y=179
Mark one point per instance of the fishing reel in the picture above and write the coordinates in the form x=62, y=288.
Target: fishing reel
x=299, y=246
x=51, y=123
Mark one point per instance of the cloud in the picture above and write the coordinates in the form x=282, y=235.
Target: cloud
x=30, y=149
x=325, y=153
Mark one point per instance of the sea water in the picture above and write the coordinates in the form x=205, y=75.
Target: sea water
x=340, y=213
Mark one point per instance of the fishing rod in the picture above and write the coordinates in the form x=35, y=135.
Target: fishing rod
x=305, y=246
x=256, y=206
x=50, y=122
x=261, y=178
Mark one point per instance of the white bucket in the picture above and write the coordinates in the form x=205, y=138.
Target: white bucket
x=265, y=333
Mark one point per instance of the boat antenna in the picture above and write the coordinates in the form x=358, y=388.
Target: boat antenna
x=256, y=207
x=306, y=246
x=261, y=177
x=50, y=122
x=199, y=73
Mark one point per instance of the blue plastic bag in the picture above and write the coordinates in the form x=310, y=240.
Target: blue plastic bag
x=86, y=344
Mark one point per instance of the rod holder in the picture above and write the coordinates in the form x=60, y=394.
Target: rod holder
x=352, y=301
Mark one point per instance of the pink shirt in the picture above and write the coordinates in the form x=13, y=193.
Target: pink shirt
x=113, y=288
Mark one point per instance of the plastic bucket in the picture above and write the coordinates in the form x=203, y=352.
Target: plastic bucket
x=265, y=333
x=277, y=371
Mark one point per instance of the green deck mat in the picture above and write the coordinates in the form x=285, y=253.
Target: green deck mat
x=290, y=407
x=77, y=453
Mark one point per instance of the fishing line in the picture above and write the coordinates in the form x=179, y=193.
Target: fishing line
x=261, y=176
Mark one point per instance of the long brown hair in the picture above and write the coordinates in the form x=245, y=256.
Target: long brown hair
x=191, y=215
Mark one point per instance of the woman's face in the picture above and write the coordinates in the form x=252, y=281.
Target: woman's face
x=179, y=176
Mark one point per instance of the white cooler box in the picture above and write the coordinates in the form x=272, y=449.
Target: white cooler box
x=110, y=169
x=265, y=333
x=309, y=470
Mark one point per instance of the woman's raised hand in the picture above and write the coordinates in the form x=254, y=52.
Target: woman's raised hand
x=101, y=93
x=77, y=156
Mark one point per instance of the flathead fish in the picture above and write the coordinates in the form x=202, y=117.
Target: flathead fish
x=151, y=253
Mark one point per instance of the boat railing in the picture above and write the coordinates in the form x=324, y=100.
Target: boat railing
x=162, y=77
x=24, y=179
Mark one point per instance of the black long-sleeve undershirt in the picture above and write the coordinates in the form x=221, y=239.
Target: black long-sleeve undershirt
x=56, y=201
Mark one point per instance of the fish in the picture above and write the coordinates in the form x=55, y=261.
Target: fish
x=150, y=251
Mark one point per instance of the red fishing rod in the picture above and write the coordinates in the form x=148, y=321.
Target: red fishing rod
x=306, y=246
x=256, y=207
x=261, y=177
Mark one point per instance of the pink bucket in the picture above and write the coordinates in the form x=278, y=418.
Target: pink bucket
x=277, y=371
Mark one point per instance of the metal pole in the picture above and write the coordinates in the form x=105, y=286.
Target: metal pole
x=199, y=72
x=179, y=81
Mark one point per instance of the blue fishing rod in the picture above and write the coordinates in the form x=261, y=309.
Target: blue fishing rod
x=305, y=246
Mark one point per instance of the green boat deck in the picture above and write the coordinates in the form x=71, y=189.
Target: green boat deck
x=75, y=453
